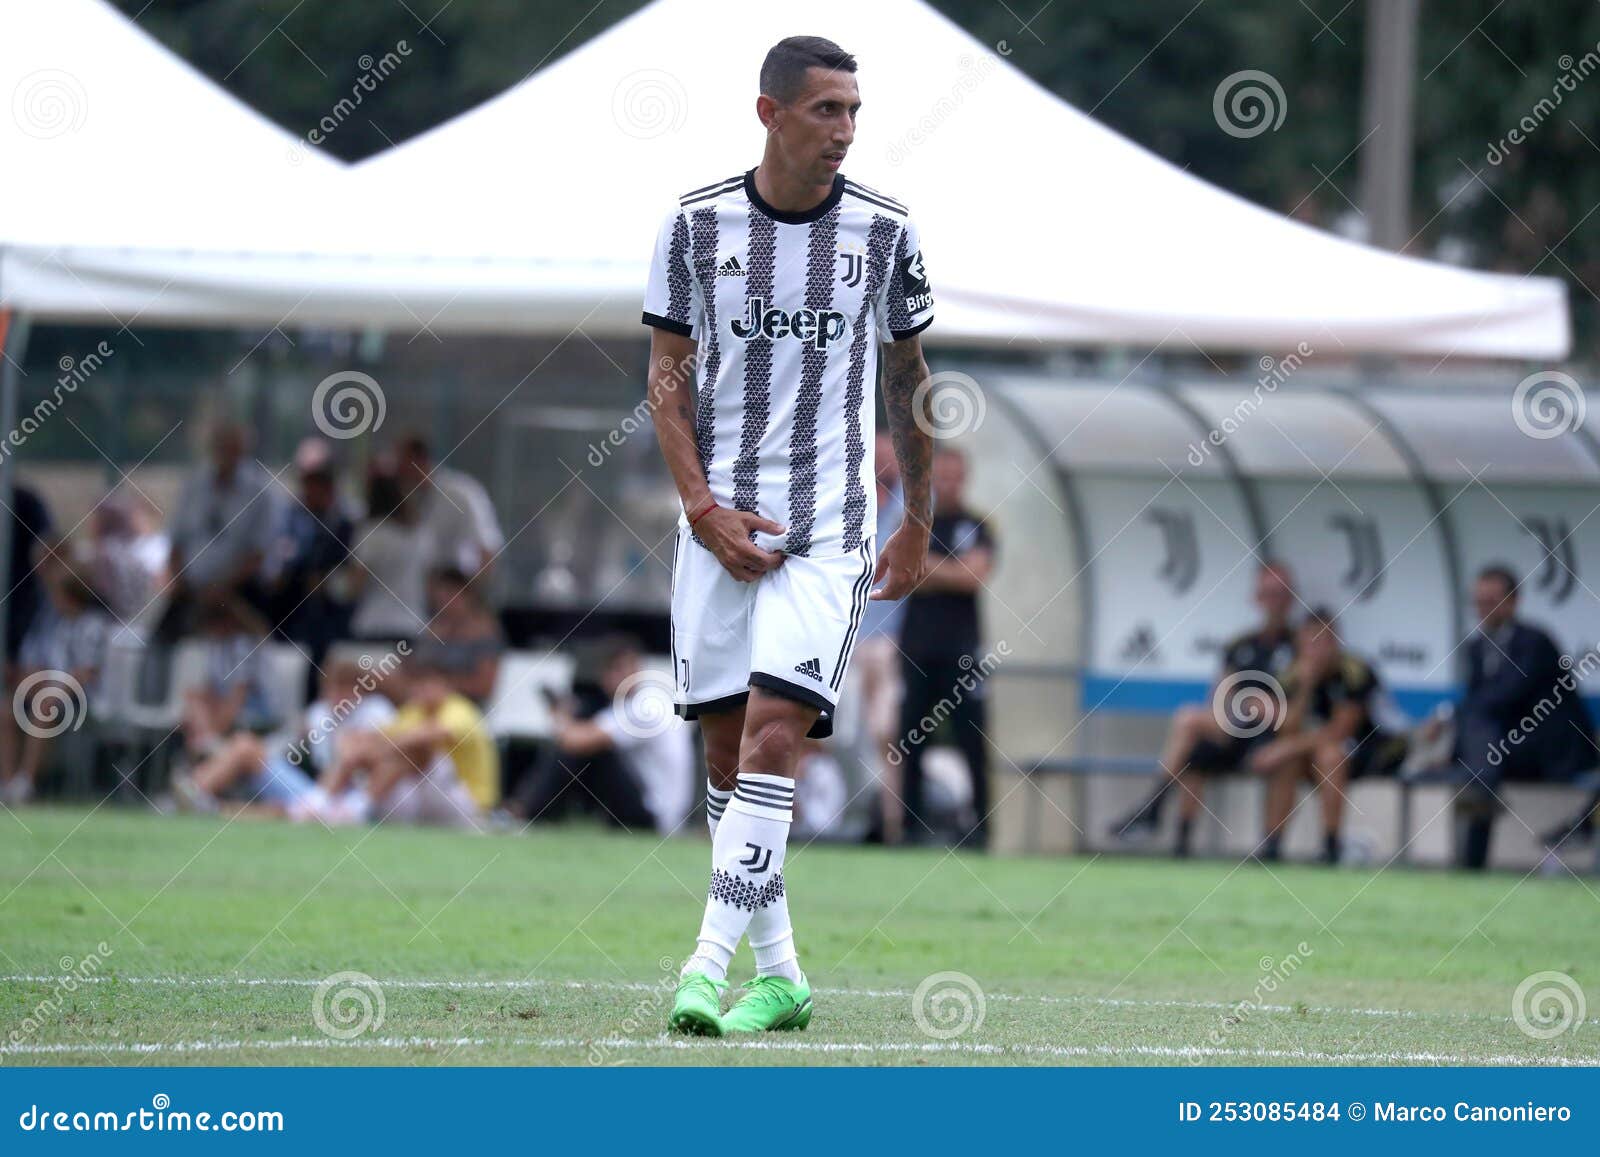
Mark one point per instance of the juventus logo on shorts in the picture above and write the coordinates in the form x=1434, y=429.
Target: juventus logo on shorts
x=757, y=852
x=851, y=275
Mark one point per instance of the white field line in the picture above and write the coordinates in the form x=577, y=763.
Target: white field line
x=835, y=993
x=709, y=1048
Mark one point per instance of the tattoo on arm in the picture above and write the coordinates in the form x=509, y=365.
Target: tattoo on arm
x=903, y=371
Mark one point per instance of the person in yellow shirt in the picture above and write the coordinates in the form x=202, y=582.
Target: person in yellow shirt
x=434, y=763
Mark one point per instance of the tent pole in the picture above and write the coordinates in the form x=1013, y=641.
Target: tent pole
x=13, y=342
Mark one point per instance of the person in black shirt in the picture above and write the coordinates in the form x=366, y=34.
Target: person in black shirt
x=1219, y=734
x=1522, y=715
x=939, y=644
x=1329, y=734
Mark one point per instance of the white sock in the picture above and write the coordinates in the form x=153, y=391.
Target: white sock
x=746, y=868
x=716, y=804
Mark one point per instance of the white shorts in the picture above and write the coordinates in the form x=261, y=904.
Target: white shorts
x=790, y=632
x=439, y=797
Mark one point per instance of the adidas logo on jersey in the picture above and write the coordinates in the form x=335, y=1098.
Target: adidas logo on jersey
x=731, y=267
x=817, y=326
x=811, y=669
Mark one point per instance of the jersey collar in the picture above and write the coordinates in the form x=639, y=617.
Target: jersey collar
x=783, y=217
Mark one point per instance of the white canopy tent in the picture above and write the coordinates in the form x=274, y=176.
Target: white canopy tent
x=1039, y=224
x=535, y=213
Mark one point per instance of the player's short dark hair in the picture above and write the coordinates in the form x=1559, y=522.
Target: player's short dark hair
x=1320, y=616
x=1506, y=576
x=783, y=72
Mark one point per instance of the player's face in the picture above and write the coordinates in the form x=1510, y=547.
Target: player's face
x=1273, y=594
x=816, y=129
x=1490, y=602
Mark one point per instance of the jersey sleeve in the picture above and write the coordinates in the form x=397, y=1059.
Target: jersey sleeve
x=905, y=303
x=671, y=298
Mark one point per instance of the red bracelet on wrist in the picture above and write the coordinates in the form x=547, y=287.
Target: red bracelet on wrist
x=703, y=511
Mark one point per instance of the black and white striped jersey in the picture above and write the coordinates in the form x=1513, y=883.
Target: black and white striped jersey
x=789, y=310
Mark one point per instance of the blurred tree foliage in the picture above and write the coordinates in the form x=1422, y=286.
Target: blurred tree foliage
x=1149, y=69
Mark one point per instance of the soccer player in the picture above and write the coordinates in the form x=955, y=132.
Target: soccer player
x=772, y=290
x=1205, y=739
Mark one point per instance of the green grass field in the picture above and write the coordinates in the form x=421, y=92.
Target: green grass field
x=557, y=947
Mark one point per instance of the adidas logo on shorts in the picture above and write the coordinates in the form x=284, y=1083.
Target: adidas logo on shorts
x=731, y=267
x=811, y=669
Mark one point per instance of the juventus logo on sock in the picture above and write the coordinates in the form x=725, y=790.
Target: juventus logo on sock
x=757, y=853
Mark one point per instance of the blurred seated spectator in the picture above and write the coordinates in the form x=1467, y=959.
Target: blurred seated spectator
x=314, y=542
x=453, y=509
x=243, y=766
x=30, y=528
x=234, y=696
x=1514, y=673
x=434, y=763
x=620, y=748
x=463, y=636
x=124, y=556
x=222, y=526
x=59, y=664
x=388, y=564
x=1217, y=736
x=1329, y=734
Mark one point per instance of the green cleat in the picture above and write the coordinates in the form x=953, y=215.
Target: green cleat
x=697, y=1008
x=770, y=1003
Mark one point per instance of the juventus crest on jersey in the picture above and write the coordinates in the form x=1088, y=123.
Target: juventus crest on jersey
x=789, y=310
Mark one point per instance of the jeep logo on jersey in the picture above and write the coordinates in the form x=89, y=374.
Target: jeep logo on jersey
x=914, y=283
x=817, y=326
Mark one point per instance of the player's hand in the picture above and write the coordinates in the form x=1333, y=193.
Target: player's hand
x=903, y=562
x=726, y=533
